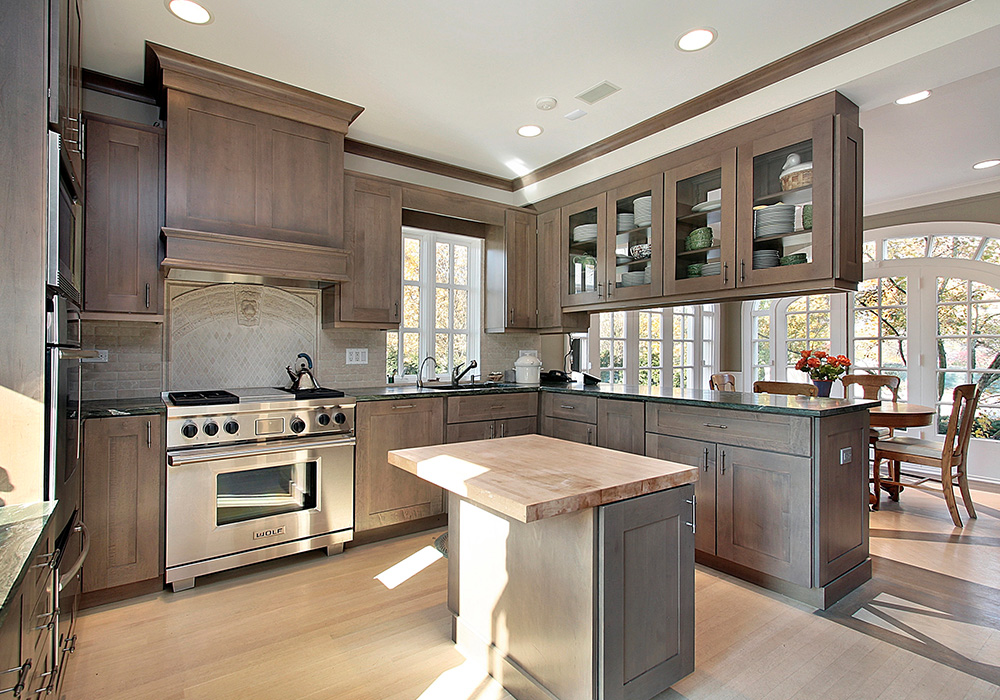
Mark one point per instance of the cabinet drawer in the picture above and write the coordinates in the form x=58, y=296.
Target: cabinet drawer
x=569, y=430
x=465, y=409
x=509, y=427
x=476, y=430
x=570, y=407
x=764, y=431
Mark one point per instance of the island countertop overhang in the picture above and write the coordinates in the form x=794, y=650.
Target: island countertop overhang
x=531, y=477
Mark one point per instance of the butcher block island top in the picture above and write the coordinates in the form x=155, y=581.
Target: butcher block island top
x=531, y=477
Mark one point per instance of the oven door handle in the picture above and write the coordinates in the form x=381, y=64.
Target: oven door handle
x=179, y=459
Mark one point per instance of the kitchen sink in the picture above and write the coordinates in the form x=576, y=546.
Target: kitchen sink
x=463, y=387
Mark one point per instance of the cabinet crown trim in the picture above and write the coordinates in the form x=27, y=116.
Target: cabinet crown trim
x=177, y=70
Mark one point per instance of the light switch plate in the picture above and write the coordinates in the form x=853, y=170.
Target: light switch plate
x=846, y=453
x=357, y=356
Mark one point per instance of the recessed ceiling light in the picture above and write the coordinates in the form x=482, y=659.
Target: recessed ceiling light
x=189, y=11
x=529, y=130
x=983, y=164
x=696, y=39
x=915, y=97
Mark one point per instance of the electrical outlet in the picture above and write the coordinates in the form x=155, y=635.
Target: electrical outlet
x=846, y=453
x=357, y=356
x=102, y=356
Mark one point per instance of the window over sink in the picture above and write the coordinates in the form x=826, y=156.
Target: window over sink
x=442, y=309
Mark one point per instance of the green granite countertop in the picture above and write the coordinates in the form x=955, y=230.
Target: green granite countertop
x=20, y=528
x=764, y=403
x=111, y=408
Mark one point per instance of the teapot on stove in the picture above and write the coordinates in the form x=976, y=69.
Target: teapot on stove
x=302, y=377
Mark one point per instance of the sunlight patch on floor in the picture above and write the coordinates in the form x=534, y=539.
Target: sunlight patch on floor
x=468, y=681
x=409, y=567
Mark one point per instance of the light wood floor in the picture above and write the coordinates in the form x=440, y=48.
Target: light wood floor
x=926, y=626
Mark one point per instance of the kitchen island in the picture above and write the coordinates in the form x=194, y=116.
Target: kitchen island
x=570, y=567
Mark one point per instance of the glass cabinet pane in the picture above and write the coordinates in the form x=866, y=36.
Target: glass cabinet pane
x=634, y=240
x=698, y=228
x=782, y=203
x=584, y=252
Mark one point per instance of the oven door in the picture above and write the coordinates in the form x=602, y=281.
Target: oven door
x=228, y=500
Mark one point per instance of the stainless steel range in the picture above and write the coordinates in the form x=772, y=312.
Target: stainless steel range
x=254, y=474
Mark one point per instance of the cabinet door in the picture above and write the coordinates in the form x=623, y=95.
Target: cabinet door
x=697, y=196
x=584, y=231
x=763, y=512
x=373, y=231
x=509, y=427
x=478, y=430
x=551, y=318
x=633, y=246
x=571, y=430
x=10, y=643
x=764, y=243
x=384, y=494
x=693, y=453
x=511, y=274
x=241, y=172
x=66, y=84
x=621, y=425
x=123, y=500
x=646, y=598
x=124, y=208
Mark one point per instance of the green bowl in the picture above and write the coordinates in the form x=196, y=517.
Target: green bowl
x=694, y=270
x=807, y=216
x=794, y=259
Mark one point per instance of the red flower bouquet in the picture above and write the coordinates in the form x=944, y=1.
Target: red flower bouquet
x=821, y=366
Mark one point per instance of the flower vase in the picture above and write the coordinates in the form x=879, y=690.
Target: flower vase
x=823, y=387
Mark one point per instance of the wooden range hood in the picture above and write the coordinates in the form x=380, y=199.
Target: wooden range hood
x=255, y=171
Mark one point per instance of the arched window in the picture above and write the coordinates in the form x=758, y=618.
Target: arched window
x=927, y=311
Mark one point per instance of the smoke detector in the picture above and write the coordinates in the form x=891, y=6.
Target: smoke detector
x=546, y=103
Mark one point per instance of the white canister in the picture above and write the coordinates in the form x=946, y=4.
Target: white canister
x=527, y=369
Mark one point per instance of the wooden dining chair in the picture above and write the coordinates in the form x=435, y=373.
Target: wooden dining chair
x=949, y=456
x=871, y=388
x=788, y=388
x=722, y=381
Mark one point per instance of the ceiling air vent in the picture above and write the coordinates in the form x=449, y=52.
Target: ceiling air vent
x=598, y=92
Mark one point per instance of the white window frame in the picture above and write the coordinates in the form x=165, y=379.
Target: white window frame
x=428, y=284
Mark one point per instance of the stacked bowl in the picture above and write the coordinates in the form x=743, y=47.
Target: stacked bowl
x=626, y=222
x=763, y=259
x=770, y=221
x=643, y=208
x=699, y=238
x=585, y=233
x=794, y=259
x=711, y=268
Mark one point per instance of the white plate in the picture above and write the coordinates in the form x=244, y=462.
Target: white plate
x=710, y=205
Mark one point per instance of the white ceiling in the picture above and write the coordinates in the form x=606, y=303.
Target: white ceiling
x=452, y=81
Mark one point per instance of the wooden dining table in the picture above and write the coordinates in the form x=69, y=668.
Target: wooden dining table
x=897, y=415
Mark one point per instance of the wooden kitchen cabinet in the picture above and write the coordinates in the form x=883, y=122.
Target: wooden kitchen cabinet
x=551, y=317
x=571, y=430
x=124, y=213
x=373, y=232
x=633, y=245
x=490, y=429
x=702, y=455
x=123, y=501
x=621, y=425
x=66, y=85
x=511, y=274
x=488, y=416
x=384, y=494
x=583, y=267
x=569, y=417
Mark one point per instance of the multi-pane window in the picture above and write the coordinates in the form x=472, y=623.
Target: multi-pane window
x=807, y=323
x=761, y=348
x=651, y=347
x=685, y=342
x=441, y=310
x=880, y=328
x=612, y=347
x=968, y=349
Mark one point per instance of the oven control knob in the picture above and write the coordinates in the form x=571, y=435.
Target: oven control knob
x=339, y=418
x=231, y=427
x=297, y=425
x=323, y=419
x=211, y=428
x=189, y=430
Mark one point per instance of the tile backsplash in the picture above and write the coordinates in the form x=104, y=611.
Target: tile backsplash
x=135, y=359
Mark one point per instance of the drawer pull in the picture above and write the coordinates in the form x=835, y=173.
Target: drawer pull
x=567, y=407
x=22, y=672
x=706, y=459
x=720, y=426
x=496, y=408
x=396, y=408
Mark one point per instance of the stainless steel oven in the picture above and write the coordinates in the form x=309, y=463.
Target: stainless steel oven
x=235, y=504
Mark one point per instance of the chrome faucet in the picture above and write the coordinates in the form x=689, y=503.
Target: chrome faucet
x=456, y=376
x=420, y=372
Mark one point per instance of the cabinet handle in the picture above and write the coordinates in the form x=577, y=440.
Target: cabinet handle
x=610, y=287
x=743, y=271
x=503, y=430
x=395, y=312
x=496, y=408
x=694, y=518
x=720, y=426
x=567, y=407
x=725, y=273
x=149, y=435
x=599, y=288
x=408, y=405
x=706, y=459
x=147, y=295
x=723, y=461
x=493, y=430
x=510, y=315
x=589, y=431
x=22, y=672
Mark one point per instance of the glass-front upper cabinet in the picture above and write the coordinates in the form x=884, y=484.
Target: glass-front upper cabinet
x=785, y=225
x=700, y=216
x=584, y=226
x=634, y=244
